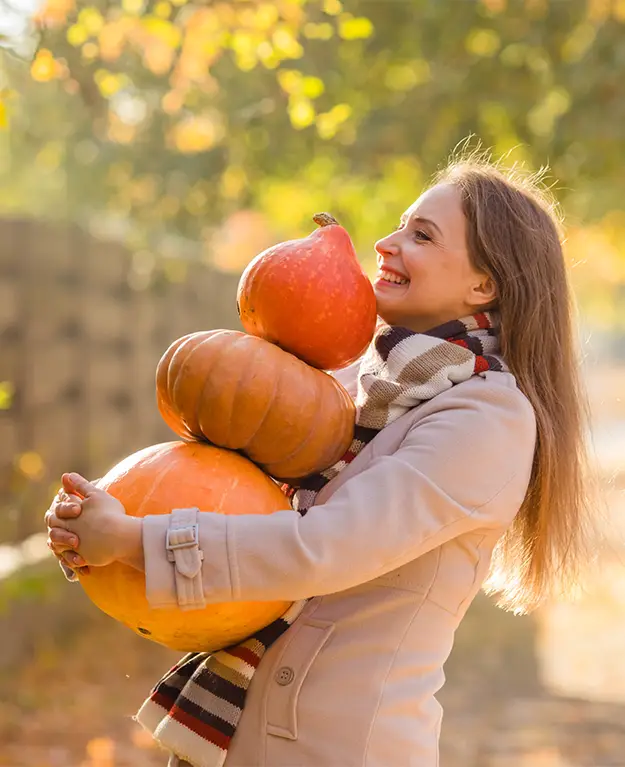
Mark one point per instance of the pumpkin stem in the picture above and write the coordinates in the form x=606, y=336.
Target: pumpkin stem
x=324, y=219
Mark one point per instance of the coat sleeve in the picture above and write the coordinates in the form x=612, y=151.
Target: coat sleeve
x=464, y=467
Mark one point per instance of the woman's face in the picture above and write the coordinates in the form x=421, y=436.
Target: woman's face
x=424, y=275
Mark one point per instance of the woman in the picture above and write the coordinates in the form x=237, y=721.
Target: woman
x=470, y=470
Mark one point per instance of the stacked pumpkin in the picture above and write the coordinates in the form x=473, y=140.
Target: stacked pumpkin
x=251, y=408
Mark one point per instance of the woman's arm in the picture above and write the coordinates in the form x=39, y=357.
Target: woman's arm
x=464, y=467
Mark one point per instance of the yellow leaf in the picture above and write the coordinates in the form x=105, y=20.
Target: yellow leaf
x=290, y=81
x=44, y=66
x=91, y=19
x=329, y=122
x=266, y=15
x=286, y=44
x=332, y=7
x=313, y=87
x=164, y=30
x=197, y=134
x=355, y=28
x=77, y=35
x=4, y=124
x=483, y=42
x=301, y=112
x=110, y=83
x=89, y=51
x=267, y=55
x=134, y=7
x=7, y=390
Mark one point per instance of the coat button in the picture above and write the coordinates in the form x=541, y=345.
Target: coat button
x=285, y=675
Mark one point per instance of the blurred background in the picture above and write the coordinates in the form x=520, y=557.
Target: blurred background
x=148, y=150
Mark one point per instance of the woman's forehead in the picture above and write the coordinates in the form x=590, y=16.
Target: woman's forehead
x=440, y=203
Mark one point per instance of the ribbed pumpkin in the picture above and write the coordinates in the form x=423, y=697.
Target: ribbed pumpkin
x=243, y=393
x=179, y=475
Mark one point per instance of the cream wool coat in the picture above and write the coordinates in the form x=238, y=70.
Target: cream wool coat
x=393, y=552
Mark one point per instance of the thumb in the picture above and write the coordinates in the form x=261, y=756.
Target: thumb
x=75, y=484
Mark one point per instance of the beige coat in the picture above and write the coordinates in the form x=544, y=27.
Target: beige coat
x=393, y=553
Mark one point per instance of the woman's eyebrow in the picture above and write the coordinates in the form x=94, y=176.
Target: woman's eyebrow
x=421, y=220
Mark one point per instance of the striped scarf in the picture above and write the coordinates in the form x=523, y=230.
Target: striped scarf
x=194, y=710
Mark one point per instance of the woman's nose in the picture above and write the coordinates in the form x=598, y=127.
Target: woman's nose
x=387, y=245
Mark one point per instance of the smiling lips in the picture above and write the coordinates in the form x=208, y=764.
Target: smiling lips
x=391, y=277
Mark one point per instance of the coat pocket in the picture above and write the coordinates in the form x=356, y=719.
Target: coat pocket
x=289, y=674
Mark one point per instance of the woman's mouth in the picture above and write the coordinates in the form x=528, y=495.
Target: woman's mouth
x=384, y=277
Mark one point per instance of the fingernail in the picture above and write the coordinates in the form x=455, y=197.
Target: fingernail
x=77, y=560
x=74, y=507
x=73, y=541
x=73, y=476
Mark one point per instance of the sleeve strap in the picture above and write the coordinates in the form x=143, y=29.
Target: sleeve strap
x=183, y=549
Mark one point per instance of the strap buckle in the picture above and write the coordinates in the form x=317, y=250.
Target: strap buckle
x=182, y=538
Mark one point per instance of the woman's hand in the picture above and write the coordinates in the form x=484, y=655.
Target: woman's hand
x=97, y=526
x=62, y=542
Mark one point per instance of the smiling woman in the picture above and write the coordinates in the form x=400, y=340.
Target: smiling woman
x=426, y=277
x=466, y=401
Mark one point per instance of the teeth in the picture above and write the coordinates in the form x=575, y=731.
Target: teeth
x=391, y=277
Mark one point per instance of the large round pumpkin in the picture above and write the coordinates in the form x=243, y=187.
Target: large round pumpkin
x=240, y=392
x=178, y=475
x=311, y=297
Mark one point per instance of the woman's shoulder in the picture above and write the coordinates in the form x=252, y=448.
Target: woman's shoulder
x=491, y=405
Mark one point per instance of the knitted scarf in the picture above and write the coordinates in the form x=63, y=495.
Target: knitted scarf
x=194, y=710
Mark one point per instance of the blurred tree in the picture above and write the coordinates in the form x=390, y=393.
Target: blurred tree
x=171, y=115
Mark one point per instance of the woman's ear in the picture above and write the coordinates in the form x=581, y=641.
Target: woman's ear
x=483, y=292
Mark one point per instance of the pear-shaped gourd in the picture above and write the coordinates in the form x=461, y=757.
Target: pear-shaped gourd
x=311, y=297
x=240, y=392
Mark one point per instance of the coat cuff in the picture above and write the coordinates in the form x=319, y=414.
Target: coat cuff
x=160, y=578
x=160, y=574
x=219, y=574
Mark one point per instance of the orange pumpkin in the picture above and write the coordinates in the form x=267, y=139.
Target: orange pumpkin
x=179, y=475
x=311, y=297
x=242, y=393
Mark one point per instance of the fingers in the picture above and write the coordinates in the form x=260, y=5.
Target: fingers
x=75, y=483
x=73, y=560
x=60, y=540
x=75, y=563
x=67, y=510
x=52, y=520
x=59, y=543
x=63, y=497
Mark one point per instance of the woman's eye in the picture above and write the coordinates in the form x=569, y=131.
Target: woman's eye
x=422, y=236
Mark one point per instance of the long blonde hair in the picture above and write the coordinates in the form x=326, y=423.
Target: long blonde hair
x=514, y=236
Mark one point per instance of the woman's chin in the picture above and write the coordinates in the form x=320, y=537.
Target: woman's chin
x=387, y=296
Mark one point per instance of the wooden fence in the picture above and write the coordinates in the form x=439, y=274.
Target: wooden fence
x=79, y=343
